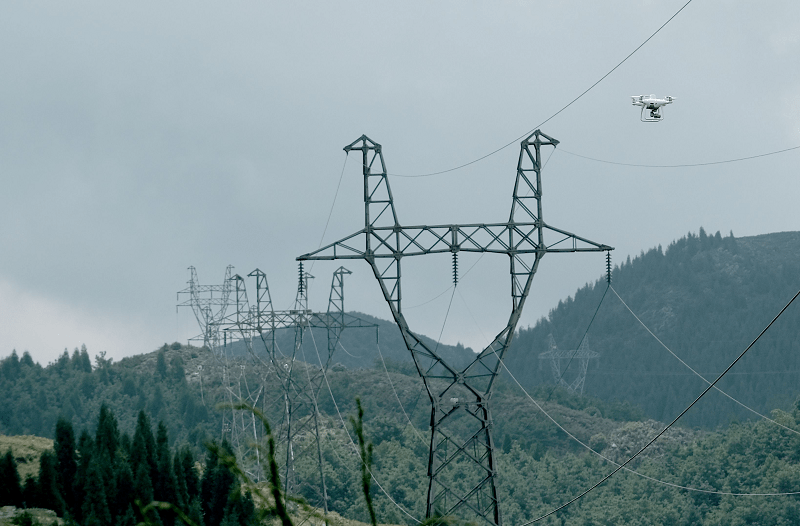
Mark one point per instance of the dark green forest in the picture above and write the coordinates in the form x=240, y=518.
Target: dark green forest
x=94, y=479
x=109, y=476
x=706, y=297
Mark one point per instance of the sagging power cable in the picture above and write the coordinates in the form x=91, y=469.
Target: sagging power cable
x=726, y=161
x=632, y=471
x=603, y=457
x=570, y=103
x=350, y=438
x=658, y=435
x=697, y=373
x=553, y=390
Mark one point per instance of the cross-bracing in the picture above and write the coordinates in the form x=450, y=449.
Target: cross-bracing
x=580, y=356
x=210, y=303
x=462, y=468
x=301, y=431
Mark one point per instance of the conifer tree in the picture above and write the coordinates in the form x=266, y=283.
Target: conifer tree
x=66, y=462
x=48, y=495
x=95, y=504
x=124, y=496
x=240, y=509
x=161, y=364
x=142, y=485
x=216, y=485
x=85, y=452
x=10, y=489
x=107, y=435
x=29, y=492
x=143, y=448
x=164, y=486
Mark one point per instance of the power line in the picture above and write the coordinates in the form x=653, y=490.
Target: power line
x=695, y=372
x=706, y=390
x=634, y=472
x=681, y=165
x=610, y=461
x=579, y=343
x=388, y=377
x=587, y=90
x=352, y=443
x=335, y=195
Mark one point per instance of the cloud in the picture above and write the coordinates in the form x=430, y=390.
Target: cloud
x=45, y=327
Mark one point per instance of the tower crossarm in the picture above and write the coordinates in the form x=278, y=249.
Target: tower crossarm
x=438, y=239
x=459, y=398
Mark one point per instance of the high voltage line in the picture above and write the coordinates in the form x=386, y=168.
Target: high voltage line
x=570, y=103
x=726, y=161
x=706, y=390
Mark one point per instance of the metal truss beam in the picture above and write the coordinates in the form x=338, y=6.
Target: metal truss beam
x=580, y=356
x=299, y=433
x=462, y=468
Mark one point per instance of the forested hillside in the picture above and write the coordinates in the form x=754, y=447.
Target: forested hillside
x=706, y=297
x=93, y=474
x=360, y=347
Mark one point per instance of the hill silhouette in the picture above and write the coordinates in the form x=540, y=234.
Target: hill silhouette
x=706, y=297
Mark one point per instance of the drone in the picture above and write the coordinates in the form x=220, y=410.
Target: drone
x=652, y=103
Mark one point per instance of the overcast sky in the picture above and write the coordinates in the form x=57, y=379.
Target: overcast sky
x=139, y=138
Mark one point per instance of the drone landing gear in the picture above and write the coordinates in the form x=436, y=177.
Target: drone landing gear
x=655, y=115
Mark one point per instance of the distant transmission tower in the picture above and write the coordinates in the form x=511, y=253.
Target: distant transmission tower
x=209, y=303
x=581, y=357
x=462, y=467
x=299, y=432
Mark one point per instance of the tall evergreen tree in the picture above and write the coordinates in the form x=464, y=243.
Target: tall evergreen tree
x=66, y=462
x=143, y=448
x=10, y=489
x=95, y=504
x=48, y=495
x=107, y=435
x=29, y=492
x=216, y=485
x=85, y=452
x=164, y=487
x=161, y=364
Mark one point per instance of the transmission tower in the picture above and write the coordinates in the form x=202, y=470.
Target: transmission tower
x=581, y=356
x=462, y=467
x=300, y=431
x=209, y=303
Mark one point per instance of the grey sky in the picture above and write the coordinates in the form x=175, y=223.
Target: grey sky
x=140, y=138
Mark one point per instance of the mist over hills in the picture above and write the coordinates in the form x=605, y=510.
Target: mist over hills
x=706, y=297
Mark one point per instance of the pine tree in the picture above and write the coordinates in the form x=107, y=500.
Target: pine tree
x=107, y=436
x=185, y=465
x=95, y=504
x=124, y=496
x=48, y=495
x=85, y=452
x=29, y=492
x=165, y=487
x=66, y=462
x=240, y=509
x=143, y=448
x=10, y=489
x=216, y=485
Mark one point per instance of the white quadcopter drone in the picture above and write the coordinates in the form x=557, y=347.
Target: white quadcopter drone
x=652, y=103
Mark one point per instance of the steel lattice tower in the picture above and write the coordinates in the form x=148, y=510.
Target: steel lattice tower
x=462, y=468
x=300, y=431
x=210, y=303
x=581, y=356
